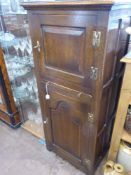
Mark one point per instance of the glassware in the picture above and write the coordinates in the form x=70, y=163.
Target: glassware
x=19, y=59
x=17, y=46
x=23, y=46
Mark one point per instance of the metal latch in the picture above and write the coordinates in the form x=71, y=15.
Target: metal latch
x=94, y=73
x=96, y=38
x=37, y=46
x=90, y=118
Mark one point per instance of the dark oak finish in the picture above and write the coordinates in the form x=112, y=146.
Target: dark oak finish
x=79, y=115
x=8, y=110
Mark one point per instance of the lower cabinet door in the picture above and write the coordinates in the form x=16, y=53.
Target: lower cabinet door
x=66, y=113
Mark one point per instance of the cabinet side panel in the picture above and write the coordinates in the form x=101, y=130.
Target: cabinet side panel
x=116, y=47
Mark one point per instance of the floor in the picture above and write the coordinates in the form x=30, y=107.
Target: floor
x=22, y=153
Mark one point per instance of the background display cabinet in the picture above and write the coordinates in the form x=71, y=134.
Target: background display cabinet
x=16, y=43
x=8, y=110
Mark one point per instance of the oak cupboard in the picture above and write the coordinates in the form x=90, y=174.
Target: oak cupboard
x=77, y=48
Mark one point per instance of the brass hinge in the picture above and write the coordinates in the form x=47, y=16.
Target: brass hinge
x=96, y=38
x=90, y=117
x=94, y=73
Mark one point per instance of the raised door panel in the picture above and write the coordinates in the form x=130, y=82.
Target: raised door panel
x=66, y=127
x=64, y=47
x=67, y=52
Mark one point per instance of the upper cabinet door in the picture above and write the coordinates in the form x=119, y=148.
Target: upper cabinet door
x=66, y=51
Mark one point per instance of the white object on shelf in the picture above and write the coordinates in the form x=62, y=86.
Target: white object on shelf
x=128, y=30
x=124, y=156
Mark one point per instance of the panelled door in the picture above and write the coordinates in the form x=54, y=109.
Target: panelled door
x=66, y=116
x=64, y=48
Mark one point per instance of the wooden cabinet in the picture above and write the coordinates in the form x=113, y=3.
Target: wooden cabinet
x=77, y=48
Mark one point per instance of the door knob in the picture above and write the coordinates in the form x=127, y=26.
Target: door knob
x=45, y=121
x=47, y=96
x=37, y=46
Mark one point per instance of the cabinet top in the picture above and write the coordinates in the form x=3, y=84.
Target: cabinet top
x=72, y=3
